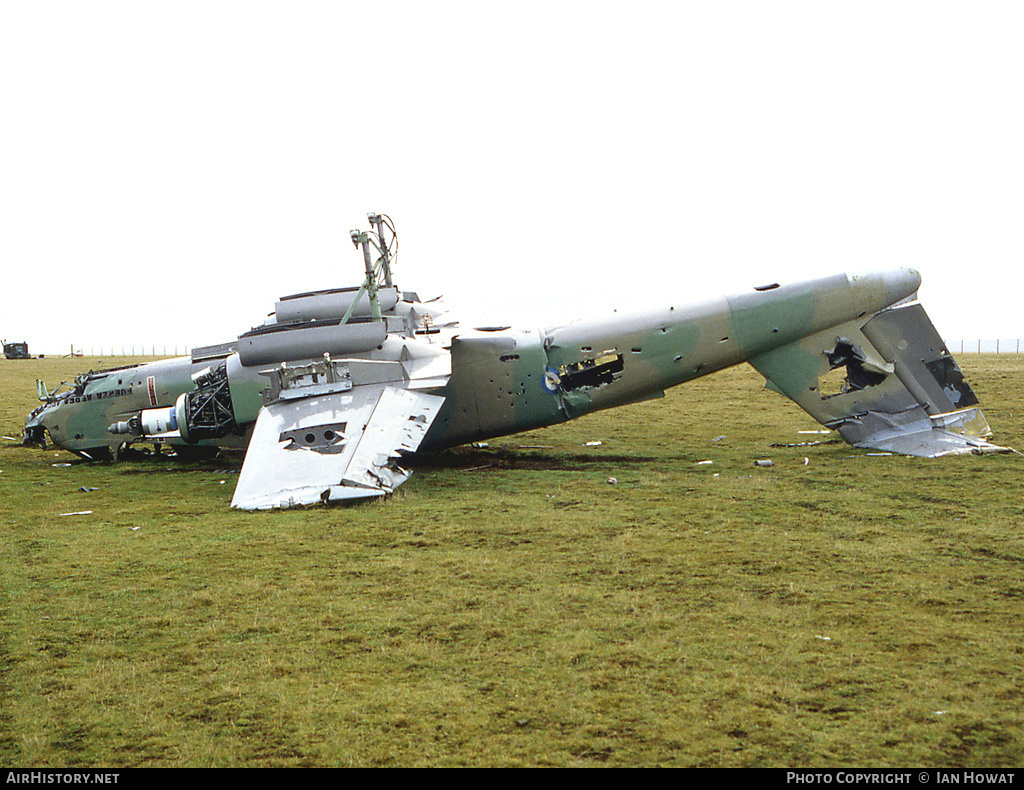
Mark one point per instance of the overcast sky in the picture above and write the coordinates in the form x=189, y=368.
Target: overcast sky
x=169, y=169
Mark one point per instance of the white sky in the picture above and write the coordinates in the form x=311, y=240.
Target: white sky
x=169, y=169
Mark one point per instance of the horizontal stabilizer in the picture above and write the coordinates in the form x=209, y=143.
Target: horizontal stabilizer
x=886, y=382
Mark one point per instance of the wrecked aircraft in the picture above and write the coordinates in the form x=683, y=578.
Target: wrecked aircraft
x=337, y=385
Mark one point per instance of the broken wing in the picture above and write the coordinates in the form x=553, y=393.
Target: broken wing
x=336, y=446
x=886, y=382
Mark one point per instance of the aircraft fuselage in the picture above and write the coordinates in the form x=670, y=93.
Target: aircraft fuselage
x=501, y=382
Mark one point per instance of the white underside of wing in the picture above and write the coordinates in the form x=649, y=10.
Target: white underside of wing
x=331, y=447
x=334, y=429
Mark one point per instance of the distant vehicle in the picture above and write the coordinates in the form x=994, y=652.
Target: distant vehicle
x=336, y=385
x=16, y=350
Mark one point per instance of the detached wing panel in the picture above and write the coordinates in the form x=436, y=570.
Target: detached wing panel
x=337, y=446
x=886, y=382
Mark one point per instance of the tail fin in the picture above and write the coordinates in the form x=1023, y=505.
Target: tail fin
x=886, y=382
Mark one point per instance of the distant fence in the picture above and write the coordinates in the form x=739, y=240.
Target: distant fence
x=1010, y=345
x=126, y=351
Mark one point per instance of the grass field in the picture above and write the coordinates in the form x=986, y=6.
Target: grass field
x=509, y=606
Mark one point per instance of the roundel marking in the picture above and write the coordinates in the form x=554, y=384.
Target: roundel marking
x=552, y=381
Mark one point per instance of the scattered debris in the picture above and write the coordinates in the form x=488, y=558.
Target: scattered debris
x=807, y=461
x=480, y=445
x=823, y=638
x=704, y=463
x=133, y=529
x=718, y=438
x=764, y=462
x=59, y=465
x=87, y=489
x=10, y=438
x=797, y=444
x=824, y=431
x=612, y=481
x=592, y=444
x=78, y=513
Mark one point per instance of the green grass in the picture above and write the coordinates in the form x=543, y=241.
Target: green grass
x=510, y=606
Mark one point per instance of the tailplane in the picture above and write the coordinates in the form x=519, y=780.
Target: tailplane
x=884, y=382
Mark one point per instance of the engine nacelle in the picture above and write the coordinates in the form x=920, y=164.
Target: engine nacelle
x=331, y=304
x=272, y=344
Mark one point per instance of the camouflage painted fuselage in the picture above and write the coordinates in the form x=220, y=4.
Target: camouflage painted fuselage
x=516, y=380
x=504, y=382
